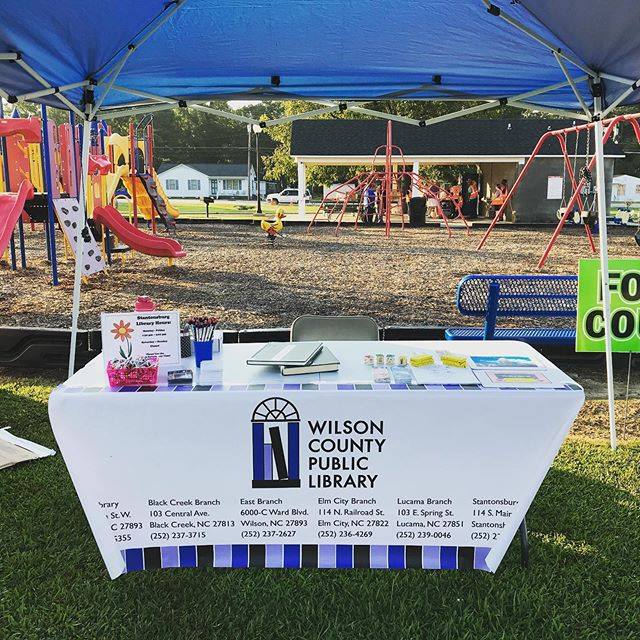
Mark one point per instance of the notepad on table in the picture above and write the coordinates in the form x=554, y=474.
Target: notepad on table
x=289, y=354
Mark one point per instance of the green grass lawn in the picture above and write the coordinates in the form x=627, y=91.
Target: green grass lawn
x=194, y=208
x=584, y=581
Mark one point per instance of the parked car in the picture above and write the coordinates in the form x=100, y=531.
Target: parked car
x=287, y=196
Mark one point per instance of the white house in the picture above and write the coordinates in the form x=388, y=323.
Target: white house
x=201, y=179
x=625, y=189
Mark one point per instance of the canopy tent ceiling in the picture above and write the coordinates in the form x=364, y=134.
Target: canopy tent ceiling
x=320, y=49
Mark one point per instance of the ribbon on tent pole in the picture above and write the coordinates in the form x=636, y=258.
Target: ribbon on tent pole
x=77, y=278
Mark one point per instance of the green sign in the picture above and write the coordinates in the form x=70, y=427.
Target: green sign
x=624, y=285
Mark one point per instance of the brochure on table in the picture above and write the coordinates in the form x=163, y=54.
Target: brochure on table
x=138, y=334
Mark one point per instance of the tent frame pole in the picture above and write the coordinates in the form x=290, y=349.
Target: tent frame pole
x=131, y=48
x=47, y=85
x=164, y=103
x=604, y=262
x=47, y=92
x=497, y=11
x=556, y=112
x=77, y=278
x=148, y=31
x=514, y=101
x=625, y=94
x=572, y=84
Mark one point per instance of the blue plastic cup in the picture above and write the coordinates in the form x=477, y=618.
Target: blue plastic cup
x=202, y=350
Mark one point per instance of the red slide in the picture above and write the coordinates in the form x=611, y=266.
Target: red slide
x=28, y=128
x=136, y=239
x=11, y=205
x=99, y=164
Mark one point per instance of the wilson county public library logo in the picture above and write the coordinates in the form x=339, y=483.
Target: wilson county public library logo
x=275, y=425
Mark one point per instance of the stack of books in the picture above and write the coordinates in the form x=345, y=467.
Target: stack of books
x=296, y=358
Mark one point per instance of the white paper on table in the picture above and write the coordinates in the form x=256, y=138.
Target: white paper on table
x=440, y=374
x=555, y=379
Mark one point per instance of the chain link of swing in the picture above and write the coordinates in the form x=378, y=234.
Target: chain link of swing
x=588, y=215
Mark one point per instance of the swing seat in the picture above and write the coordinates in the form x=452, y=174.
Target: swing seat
x=560, y=212
x=578, y=216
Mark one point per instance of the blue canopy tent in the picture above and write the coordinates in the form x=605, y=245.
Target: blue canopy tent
x=104, y=59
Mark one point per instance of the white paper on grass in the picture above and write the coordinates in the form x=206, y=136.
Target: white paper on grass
x=14, y=449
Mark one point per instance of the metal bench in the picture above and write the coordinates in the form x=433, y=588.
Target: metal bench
x=502, y=296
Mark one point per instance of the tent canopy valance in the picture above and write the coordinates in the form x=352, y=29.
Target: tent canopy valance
x=533, y=52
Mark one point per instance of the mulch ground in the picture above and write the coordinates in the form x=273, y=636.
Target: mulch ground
x=230, y=271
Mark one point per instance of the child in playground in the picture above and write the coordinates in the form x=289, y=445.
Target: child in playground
x=369, y=205
x=473, y=191
x=497, y=200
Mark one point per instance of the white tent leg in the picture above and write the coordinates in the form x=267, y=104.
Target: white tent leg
x=604, y=267
x=77, y=281
x=415, y=189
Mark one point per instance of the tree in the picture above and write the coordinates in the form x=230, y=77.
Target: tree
x=281, y=167
x=32, y=110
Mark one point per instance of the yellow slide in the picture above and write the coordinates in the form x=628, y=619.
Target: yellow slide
x=173, y=212
x=113, y=179
x=145, y=204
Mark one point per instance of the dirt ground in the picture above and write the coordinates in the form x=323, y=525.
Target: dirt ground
x=230, y=271
x=593, y=420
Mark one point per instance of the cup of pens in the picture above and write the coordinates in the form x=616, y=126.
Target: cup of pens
x=201, y=330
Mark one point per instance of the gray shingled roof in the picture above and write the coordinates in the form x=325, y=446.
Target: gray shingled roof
x=341, y=137
x=210, y=169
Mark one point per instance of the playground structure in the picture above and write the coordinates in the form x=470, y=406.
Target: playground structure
x=138, y=177
x=393, y=186
x=46, y=157
x=16, y=134
x=580, y=207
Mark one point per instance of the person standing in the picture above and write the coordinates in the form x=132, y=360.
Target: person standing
x=504, y=186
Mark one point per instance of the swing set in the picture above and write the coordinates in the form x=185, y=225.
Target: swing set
x=392, y=185
x=580, y=207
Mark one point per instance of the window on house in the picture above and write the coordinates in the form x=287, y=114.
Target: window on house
x=620, y=190
x=638, y=188
x=193, y=185
x=231, y=185
x=172, y=185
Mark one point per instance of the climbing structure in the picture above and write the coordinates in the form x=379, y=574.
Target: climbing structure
x=391, y=185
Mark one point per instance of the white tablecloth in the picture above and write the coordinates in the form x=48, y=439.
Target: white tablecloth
x=326, y=470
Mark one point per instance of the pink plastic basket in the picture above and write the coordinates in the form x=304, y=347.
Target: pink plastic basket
x=137, y=376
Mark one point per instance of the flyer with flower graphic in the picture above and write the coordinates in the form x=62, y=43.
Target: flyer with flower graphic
x=135, y=335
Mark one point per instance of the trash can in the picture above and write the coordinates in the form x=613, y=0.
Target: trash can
x=417, y=212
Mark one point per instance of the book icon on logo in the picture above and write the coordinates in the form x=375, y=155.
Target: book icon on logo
x=276, y=444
